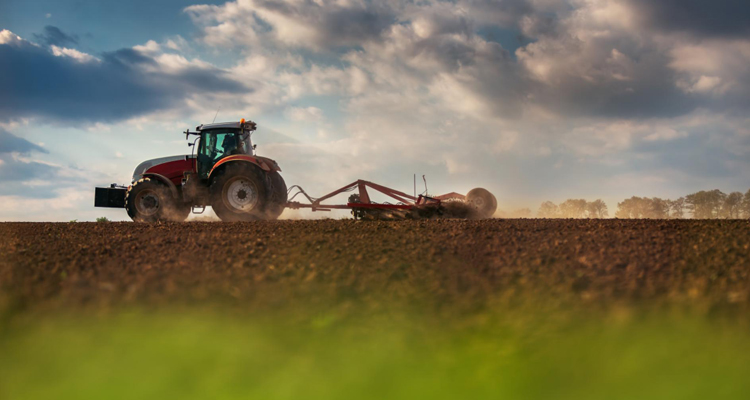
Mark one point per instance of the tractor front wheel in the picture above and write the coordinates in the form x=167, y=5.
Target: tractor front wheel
x=239, y=193
x=150, y=201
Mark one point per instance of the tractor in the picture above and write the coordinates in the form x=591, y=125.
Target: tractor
x=224, y=173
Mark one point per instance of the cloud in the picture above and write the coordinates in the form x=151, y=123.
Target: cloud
x=27, y=176
x=53, y=36
x=21, y=175
x=594, y=58
x=717, y=18
x=505, y=13
x=322, y=24
x=72, y=53
x=602, y=60
x=11, y=39
x=68, y=85
x=20, y=170
x=305, y=114
x=717, y=69
x=10, y=143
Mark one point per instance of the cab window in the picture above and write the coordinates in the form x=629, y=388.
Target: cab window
x=216, y=145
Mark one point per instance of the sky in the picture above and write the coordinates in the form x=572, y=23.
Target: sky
x=532, y=99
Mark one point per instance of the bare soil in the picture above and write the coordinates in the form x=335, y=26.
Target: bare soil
x=703, y=266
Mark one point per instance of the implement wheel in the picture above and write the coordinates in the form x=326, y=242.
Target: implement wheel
x=239, y=193
x=483, y=201
x=150, y=201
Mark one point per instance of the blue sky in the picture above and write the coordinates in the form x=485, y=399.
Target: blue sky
x=533, y=99
x=101, y=25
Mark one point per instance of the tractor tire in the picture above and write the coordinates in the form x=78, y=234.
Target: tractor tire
x=483, y=201
x=151, y=201
x=277, y=195
x=239, y=193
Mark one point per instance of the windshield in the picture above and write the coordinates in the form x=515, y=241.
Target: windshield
x=219, y=144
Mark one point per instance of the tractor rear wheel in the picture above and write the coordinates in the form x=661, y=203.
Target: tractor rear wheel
x=483, y=201
x=150, y=201
x=277, y=195
x=239, y=193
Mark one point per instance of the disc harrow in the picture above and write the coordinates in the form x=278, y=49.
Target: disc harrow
x=478, y=203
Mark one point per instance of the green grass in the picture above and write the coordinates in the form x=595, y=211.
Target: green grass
x=383, y=355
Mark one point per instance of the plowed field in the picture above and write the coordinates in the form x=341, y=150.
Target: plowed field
x=704, y=264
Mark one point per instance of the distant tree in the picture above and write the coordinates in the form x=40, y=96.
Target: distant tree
x=705, y=204
x=597, y=209
x=573, y=208
x=548, y=209
x=732, y=207
x=643, y=207
x=677, y=208
x=634, y=207
x=746, y=205
x=716, y=200
x=658, y=208
x=624, y=208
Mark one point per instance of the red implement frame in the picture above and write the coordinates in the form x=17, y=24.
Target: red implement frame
x=406, y=201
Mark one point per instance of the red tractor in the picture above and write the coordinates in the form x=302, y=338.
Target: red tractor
x=225, y=174
x=239, y=185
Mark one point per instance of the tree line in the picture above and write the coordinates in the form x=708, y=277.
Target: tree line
x=574, y=208
x=706, y=204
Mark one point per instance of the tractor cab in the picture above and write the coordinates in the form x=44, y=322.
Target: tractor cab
x=218, y=141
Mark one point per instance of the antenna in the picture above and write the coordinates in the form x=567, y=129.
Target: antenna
x=217, y=114
x=425, y=185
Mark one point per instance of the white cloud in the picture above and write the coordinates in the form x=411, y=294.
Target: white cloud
x=305, y=114
x=10, y=38
x=73, y=53
x=304, y=24
x=712, y=66
x=706, y=84
x=177, y=43
x=150, y=48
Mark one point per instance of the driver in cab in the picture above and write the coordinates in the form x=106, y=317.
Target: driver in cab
x=229, y=145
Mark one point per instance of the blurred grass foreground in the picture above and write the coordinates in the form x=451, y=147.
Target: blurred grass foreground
x=347, y=354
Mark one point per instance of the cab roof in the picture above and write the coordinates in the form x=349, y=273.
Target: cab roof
x=219, y=125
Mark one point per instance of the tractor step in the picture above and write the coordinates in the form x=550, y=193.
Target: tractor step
x=196, y=208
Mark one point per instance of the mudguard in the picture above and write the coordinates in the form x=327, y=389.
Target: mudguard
x=266, y=164
x=163, y=179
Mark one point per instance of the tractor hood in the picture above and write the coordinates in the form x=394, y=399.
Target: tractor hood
x=142, y=167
